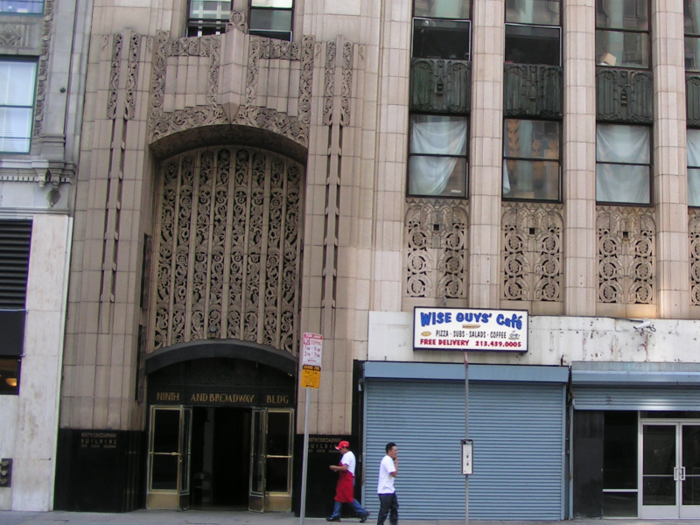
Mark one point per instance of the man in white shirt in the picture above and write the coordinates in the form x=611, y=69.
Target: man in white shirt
x=344, y=491
x=388, y=504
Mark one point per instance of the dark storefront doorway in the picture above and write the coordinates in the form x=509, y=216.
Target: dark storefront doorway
x=220, y=458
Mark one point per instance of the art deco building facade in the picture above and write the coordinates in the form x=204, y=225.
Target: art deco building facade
x=253, y=170
x=43, y=56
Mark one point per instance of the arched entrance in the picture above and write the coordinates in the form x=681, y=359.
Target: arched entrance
x=224, y=323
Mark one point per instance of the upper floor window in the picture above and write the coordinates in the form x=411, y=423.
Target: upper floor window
x=22, y=7
x=208, y=17
x=437, y=162
x=17, y=80
x=691, y=12
x=441, y=29
x=623, y=168
x=271, y=18
x=533, y=35
x=693, y=149
x=531, y=160
x=622, y=33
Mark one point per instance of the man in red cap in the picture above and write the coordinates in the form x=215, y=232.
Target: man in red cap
x=344, y=490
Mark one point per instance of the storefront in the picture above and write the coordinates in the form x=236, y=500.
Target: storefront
x=221, y=427
x=636, y=440
x=517, y=420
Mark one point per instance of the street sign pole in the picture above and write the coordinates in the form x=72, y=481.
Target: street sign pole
x=466, y=434
x=311, y=359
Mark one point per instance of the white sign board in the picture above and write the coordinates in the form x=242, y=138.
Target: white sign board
x=467, y=457
x=463, y=329
x=311, y=349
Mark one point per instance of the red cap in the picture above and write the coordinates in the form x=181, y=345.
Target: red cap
x=342, y=444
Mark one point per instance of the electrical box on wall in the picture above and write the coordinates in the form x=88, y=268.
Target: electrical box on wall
x=5, y=472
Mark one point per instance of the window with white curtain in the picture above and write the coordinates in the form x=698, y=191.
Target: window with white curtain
x=623, y=168
x=437, y=162
x=531, y=160
x=622, y=33
x=22, y=7
x=693, y=149
x=441, y=29
x=17, y=81
x=691, y=13
x=533, y=34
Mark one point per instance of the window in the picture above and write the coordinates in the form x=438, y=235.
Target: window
x=17, y=79
x=531, y=160
x=22, y=7
x=9, y=376
x=271, y=18
x=208, y=17
x=693, y=147
x=441, y=29
x=437, y=162
x=622, y=33
x=691, y=12
x=532, y=32
x=623, y=168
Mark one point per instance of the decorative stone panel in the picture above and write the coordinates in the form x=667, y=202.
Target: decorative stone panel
x=436, y=257
x=533, y=91
x=624, y=95
x=228, y=248
x=694, y=238
x=626, y=255
x=532, y=252
x=440, y=86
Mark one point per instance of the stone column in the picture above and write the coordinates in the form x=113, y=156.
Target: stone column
x=579, y=158
x=486, y=153
x=670, y=164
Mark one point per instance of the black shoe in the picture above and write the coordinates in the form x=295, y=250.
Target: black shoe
x=364, y=518
x=333, y=519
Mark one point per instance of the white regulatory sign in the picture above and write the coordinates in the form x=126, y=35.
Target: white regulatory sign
x=311, y=349
x=467, y=457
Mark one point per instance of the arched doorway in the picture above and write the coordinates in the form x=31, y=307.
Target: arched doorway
x=224, y=323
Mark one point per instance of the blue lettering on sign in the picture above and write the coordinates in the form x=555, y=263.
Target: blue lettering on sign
x=431, y=318
x=515, y=321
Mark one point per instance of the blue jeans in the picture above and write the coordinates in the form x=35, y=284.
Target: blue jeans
x=355, y=506
x=388, y=506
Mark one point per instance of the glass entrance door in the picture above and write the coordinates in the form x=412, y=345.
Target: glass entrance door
x=670, y=470
x=170, y=437
x=271, y=460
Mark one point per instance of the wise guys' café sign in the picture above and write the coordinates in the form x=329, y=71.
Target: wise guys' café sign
x=462, y=329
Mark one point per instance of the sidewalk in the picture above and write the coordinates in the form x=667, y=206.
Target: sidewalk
x=196, y=517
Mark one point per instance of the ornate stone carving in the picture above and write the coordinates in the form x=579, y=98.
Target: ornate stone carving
x=625, y=95
x=440, y=85
x=329, y=84
x=42, y=75
x=436, y=238
x=626, y=255
x=132, y=76
x=117, y=41
x=532, y=251
x=238, y=21
x=14, y=35
x=694, y=238
x=229, y=248
x=346, y=89
x=532, y=91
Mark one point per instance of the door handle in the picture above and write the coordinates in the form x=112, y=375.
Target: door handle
x=675, y=474
x=682, y=469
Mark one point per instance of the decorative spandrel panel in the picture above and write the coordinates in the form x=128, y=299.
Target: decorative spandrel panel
x=694, y=239
x=228, y=249
x=440, y=86
x=692, y=100
x=626, y=255
x=436, y=255
x=624, y=95
x=532, y=252
x=533, y=91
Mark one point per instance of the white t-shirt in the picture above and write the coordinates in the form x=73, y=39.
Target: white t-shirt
x=386, y=480
x=349, y=460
